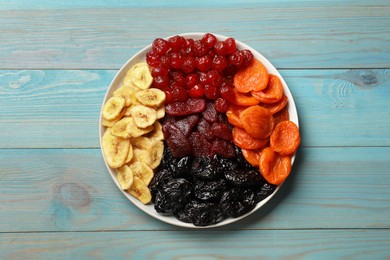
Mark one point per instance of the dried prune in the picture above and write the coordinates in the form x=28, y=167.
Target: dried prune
x=158, y=180
x=266, y=190
x=209, y=190
x=181, y=167
x=172, y=196
x=237, y=202
x=244, y=178
x=205, y=168
x=199, y=213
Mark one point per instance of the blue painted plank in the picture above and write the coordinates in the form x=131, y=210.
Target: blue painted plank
x=60, y=109
x=71, y=190
x=343, y=34
x=249, y=244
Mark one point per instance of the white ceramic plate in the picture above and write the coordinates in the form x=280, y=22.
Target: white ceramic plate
x=140, y=57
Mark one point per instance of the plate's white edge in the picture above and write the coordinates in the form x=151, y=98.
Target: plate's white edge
x=140, y=57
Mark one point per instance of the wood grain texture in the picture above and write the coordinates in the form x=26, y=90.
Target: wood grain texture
x=60, y=108
x=304, y=34
x=71, y=190
x=263, y=244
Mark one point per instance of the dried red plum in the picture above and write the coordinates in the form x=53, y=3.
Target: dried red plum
x=172, y=196
x=210, y=114
x=186, y=124
x=209, y=190
x=200, y=145
x=184, y=108
x=200, y=213
x=236, y=202
x=205, y=168
x=204, y=128
x=221, y=131
x=244, y=178
x=223, y=148
x=177, y=141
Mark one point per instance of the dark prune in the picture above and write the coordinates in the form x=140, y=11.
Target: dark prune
x=237, y=202
x=158, y=180
x=172, y=196
x=181, y=167
x=266, y=190
x=226, y=164
x=205, y=168
x=244, y=178
x=199, y=213
x=209, y=190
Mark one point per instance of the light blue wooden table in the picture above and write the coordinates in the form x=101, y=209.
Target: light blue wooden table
x=57, y=58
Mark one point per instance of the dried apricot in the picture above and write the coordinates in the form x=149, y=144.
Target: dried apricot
x=281, y=116
x=285, y=138
x=252, y=156
x=274, y=167
x=257, y=121
x=251, y=78
x=242, y=99
x=272, y=93
x=243, y=140
x=233, y=115
x=276, y=107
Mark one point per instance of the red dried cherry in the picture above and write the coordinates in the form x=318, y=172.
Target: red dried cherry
x=159, y=71
x=165, y=61
x=219, y=63
x=209, y=40
x=203, y=63
x=188, y=64
x=160, y=46
x=214, y=78
x=177, y=43
x=161, y=82
x=221, y=105
x=192, y=79
x=211, y=92
x=176, y=60
x=196, y=91
x=152, y=59
x=248, y=57
x=220, y=48
x=179, y=93
x=199, y=48
x=237, y=58
x=230, y=45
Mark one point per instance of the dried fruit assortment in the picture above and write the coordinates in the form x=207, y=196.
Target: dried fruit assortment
x=201, y=129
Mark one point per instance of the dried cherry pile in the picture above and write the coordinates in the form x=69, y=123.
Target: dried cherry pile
x=206, y=190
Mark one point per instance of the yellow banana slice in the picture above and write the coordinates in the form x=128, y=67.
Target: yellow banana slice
x=119, y=128
x=157, y=133
x=128, y=111
x=140, y=190
x=142, y=171
x=129, y=154
x=125, y=178
x=141, y=156
x=160, y=112
x=142, y=143
x=115, y=149
x=135, y=131
x=140, y=75
x=156, y=153
x=111, y=123
x=143, y=116
x=113, y=107
x=151, y=97
x=124, y=92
